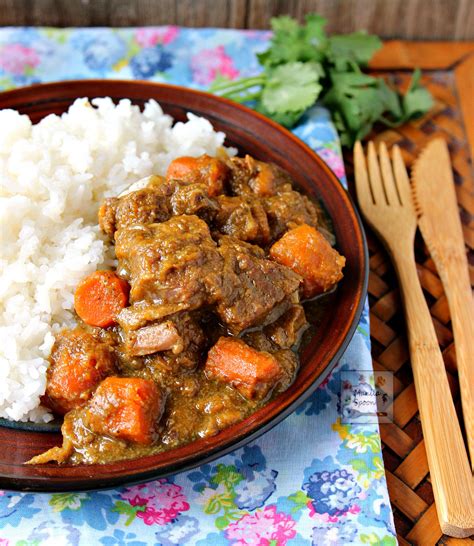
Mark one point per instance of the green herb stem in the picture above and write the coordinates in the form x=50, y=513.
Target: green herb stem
x=242, y=98
x=238, y=85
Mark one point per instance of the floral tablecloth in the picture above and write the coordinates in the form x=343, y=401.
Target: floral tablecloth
x=313, y=478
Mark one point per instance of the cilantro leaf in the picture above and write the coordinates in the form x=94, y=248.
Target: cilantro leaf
x=417, y=100
x=303, y=64
x=355, y=96
x=292, y=42
x=356, y=48
x=291, y=87
x=287, y=119
x=390, y=99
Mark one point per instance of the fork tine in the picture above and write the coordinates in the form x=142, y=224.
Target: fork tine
x=364, y=193
x=376, y=184
x=401, y=177
x=387, y=175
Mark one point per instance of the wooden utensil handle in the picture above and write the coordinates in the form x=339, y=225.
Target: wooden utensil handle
x=455, y=278
x=447, y=457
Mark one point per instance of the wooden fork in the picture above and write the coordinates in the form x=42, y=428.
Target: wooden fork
x=384, y=197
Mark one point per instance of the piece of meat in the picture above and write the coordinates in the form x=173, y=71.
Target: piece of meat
x=140, y=314
x=153, y=338
x=243, y=217
x=253, y=373
x=128, y=408
x=208, y=171
x=305, y=250
x=249, y=176
x=286, y=331
x=145, y=206
x=175, y=262
x=78, y=363
x=106, y=216
x=253, y=289
x=289, y=209
x=192, y=199
x=157, y=202
x=176, y=334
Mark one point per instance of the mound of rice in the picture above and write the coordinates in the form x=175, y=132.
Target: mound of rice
x=53, y=177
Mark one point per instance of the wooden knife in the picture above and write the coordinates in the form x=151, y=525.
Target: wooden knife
x=435, y=201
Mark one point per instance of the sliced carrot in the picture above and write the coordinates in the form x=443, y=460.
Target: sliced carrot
x=100, y=297
x=78, y=364
x=253, y=373
x=128, y=408
x=305, y=250
x=207, y=170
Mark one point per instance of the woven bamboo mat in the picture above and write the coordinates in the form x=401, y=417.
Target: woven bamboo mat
x=403, y=448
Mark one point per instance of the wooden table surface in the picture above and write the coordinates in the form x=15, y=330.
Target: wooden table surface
x=448, y=71
x=420, y=19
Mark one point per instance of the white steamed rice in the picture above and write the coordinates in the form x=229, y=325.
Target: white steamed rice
x=53, y=177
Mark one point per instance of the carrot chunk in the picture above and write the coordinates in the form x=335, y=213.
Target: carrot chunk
x=100, y=297
x=253, y=373
x=264, y=183
x=207, y=170
x=305, y=250
x=128, y=408
x=78, y=364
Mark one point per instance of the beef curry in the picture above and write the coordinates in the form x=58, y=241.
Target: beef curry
x=201, y=322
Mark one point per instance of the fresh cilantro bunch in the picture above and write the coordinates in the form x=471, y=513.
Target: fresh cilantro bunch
x=303, y=65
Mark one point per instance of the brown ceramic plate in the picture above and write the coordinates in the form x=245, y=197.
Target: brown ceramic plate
x=252, y=133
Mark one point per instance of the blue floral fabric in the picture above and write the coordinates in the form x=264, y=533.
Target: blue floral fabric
x=310, y=480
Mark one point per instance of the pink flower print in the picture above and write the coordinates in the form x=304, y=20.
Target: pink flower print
x=333, y=160
x=262, y=528
x=163, y=501
x=17, y=58
x=150, y=36
x=4, y=542
x=208, y=63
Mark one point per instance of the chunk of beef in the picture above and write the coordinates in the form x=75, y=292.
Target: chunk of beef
x=175, y=334
x=106, y=216
x=289, y=209
x=288, y=329
x=175, y=262
x=141, y=313
x=161, y=336
x=144, y=206
x=253, y=373
x=78, y=363
x=243, y=217
x=253, y=289
x=156, y=203
x=308, y=253
x=249, y=176
x=192, y=199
